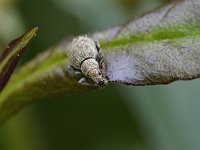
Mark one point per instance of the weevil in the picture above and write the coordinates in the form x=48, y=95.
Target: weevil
x=86, y=59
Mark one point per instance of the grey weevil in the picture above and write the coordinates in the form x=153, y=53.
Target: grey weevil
x=86, y=59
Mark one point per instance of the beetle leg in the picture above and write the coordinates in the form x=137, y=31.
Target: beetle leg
x=100, y=56
x=84, y=81
x=97, y=45
x=74, y=71
x=78, y=74
x=100, y=59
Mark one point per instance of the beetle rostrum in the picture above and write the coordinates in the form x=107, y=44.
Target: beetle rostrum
x=86, y=58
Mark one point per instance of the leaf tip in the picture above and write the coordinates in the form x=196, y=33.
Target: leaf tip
x=35, y=29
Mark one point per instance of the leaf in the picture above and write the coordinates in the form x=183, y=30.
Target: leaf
x=158, y=62
x=12, y=54
x=158, y=47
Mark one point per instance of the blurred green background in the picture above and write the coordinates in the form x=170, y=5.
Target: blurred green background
x=164, y=117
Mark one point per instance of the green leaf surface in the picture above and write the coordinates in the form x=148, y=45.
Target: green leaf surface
x=158, y=47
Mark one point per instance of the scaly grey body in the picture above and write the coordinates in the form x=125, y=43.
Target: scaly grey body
x=85, y=56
